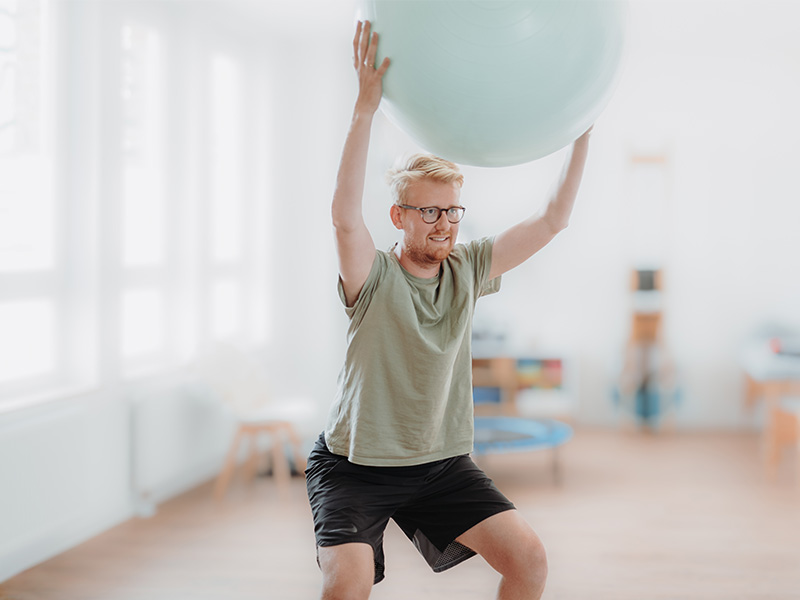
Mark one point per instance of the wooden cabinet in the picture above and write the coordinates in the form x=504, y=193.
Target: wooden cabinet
x=535, y=386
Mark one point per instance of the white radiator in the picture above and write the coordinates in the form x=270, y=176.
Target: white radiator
x=179, y=436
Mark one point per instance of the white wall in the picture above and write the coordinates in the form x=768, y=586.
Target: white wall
x=712, y=84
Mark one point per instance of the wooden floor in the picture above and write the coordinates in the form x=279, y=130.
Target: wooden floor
x=637, y=516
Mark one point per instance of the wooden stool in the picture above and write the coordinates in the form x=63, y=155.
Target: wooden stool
x=783, y=429
x=279, y=432
x=783, y=413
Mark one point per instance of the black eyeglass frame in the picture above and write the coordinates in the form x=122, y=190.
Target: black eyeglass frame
x=460, y=212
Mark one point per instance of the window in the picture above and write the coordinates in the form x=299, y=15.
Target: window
x=144, y=253
x=236, y=218
x=143, y=323
x=31, y=304
x=123, y=249
x=226, y=154
x=27, y=347
x=228, y=234
x=143, y=204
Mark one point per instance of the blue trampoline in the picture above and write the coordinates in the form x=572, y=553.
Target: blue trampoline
x=494, y=435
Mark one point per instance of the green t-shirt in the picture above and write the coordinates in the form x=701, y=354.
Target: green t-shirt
x=405, y=391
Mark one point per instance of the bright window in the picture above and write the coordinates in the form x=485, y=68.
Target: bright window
x=229, y=231
x=143, y=205
x=28, y=343
x=27, y=210
x=31, y=305
x=144, y=219
x=27, y=213
x=227, y=151
x=226, y=311
x=143, y=323
x=133, y=194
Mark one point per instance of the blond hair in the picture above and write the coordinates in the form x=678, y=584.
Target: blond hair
x=418, y=167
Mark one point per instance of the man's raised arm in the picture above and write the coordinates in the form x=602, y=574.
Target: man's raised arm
x=354, y=243
x=517, y=244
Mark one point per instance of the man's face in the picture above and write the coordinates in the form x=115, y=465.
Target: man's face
x=427, y=244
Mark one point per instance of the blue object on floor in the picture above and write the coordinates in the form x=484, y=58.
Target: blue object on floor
x=515, y=434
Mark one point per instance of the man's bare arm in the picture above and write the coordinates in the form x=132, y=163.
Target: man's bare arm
x=517, y=244
x=354, y=243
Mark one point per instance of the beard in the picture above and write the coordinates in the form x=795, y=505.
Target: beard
x=426, y=255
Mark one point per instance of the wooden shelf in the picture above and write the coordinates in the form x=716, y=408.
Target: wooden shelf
x=509, y=385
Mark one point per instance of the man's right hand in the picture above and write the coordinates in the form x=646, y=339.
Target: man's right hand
x=370, y=85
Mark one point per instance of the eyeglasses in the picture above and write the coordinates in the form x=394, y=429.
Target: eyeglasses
x=431, y=214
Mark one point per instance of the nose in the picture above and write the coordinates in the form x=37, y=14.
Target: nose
x=442, y=222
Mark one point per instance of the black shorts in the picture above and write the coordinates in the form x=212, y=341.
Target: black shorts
x=433, y=504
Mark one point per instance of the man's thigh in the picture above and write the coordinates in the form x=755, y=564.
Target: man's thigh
x=348, y=570
x=505, y=541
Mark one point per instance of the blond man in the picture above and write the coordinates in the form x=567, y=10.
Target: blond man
x=398, y=438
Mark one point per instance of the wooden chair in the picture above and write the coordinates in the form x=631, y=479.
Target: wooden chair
x=775, y=380
x=239, y=382
x=783, y=429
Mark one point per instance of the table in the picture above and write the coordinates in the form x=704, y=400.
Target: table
x=768, y=374
x=495, y=435
x=775, y=378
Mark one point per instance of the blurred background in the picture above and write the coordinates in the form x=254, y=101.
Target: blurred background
x=166, y=171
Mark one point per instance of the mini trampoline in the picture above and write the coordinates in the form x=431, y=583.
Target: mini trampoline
x=496, y=435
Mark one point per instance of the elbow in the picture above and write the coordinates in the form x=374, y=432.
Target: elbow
x=557, y=224
x=338, y=219
x=344, y=224
x=557, y=216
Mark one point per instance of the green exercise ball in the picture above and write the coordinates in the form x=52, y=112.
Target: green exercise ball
x=497, y=82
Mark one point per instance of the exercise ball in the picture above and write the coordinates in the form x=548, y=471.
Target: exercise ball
x=497, y=82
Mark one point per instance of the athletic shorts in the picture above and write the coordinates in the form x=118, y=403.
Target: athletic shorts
x=433, y=504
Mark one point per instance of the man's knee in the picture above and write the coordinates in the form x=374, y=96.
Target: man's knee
x=510, y=545
x=525, y=559
x=348, y=571
x=533, y=559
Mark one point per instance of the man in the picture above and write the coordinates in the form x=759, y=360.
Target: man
x=400, y=431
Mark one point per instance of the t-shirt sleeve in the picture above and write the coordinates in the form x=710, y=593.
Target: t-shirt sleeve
x=480, y=254
x=368, y=291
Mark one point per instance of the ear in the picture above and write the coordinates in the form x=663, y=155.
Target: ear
x=395, y=214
